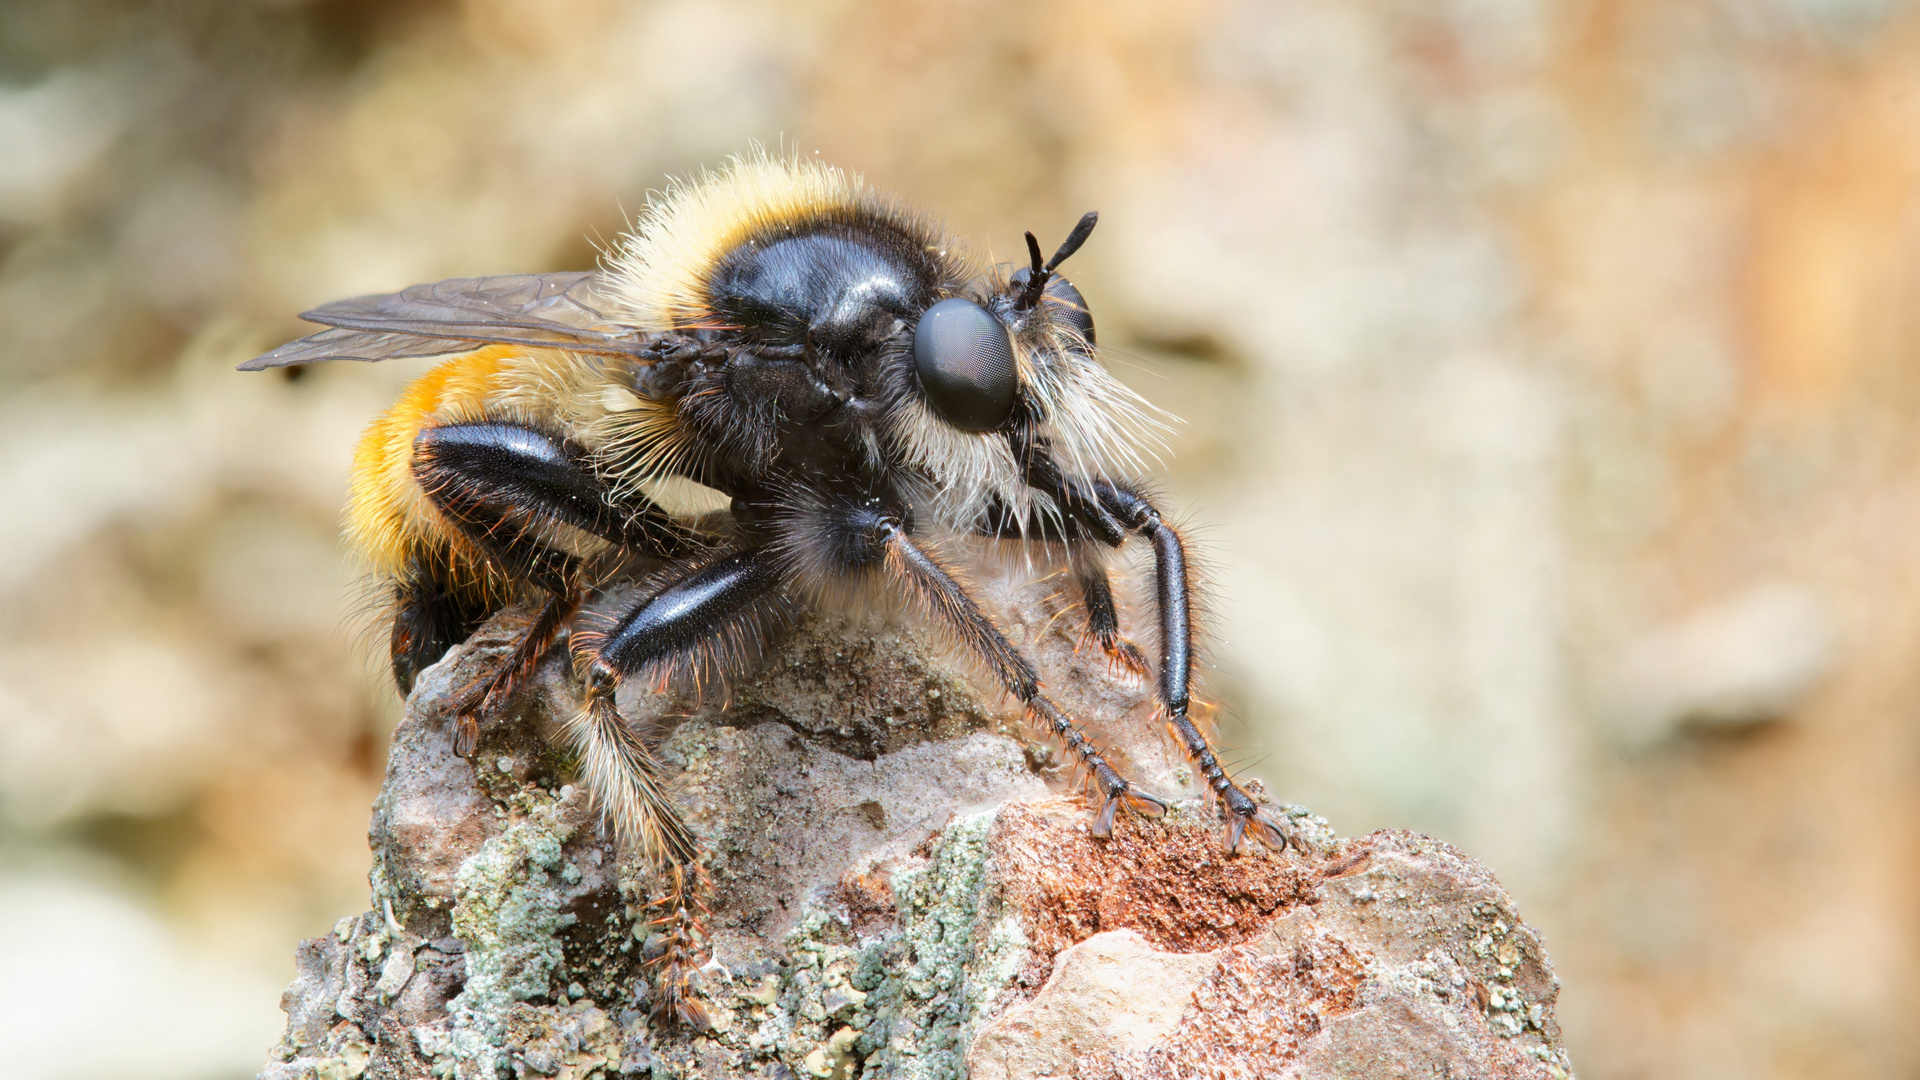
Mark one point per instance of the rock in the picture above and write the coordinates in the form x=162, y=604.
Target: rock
x=1406, y=959
x=1110, y=995
x=901, y=890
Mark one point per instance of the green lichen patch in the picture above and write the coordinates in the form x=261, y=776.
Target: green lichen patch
x=509, y=913
x=901, y=1004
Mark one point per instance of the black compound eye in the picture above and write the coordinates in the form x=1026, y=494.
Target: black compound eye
x=1070, y=309
x=965, y=359
x=1073, y=307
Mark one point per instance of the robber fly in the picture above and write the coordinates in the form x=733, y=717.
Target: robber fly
x=823, y=357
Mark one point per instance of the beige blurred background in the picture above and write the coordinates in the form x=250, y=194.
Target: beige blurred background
x=1550, y=380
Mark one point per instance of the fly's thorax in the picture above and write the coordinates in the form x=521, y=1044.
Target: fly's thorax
x=783, y=247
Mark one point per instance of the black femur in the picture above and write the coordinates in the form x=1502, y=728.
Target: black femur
x=965, y=360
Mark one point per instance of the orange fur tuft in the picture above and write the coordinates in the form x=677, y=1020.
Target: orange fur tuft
x=389, y=518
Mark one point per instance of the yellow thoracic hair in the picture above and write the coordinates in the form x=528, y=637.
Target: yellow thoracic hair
x=659, y=274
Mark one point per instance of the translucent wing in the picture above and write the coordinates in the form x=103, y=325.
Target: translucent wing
x=549, y=310
x=354, y=345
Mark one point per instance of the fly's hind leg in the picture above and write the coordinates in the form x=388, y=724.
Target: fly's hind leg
x=499, y=483
x=702, y=621
x=630, y=786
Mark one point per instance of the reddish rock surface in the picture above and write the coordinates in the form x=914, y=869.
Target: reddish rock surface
x=1392, y=955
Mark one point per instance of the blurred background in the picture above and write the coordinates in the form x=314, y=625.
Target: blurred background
x=1548, y=370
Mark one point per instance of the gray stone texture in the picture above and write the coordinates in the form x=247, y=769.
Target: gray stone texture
x=904, y=887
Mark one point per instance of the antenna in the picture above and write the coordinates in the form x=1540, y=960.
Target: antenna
x=1037, y=280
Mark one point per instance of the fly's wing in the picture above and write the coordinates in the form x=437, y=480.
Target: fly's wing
x=554, y=311
x=354, y=345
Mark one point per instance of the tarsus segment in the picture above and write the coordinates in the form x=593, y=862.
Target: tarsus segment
x=1172, y=589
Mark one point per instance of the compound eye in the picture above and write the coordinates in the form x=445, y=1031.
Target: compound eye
x=1073, y=307
x=965, y=359
x=1069, y=308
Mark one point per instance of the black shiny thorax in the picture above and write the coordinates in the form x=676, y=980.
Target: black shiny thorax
x=842, y=289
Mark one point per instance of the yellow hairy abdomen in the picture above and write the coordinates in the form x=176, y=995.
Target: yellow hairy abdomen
x=388, y=516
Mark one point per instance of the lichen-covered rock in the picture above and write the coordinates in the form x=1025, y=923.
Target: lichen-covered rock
x=901, y=890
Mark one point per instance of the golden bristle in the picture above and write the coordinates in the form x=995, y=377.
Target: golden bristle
x=626, y=782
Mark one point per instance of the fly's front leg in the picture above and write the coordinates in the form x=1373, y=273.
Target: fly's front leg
x=1089, y=574
x=1172, y=588
x=701, y=618
x=1103, y=621
x=882, y=540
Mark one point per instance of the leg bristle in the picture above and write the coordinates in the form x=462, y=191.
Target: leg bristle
x=1125, y=661
x=677, y=947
